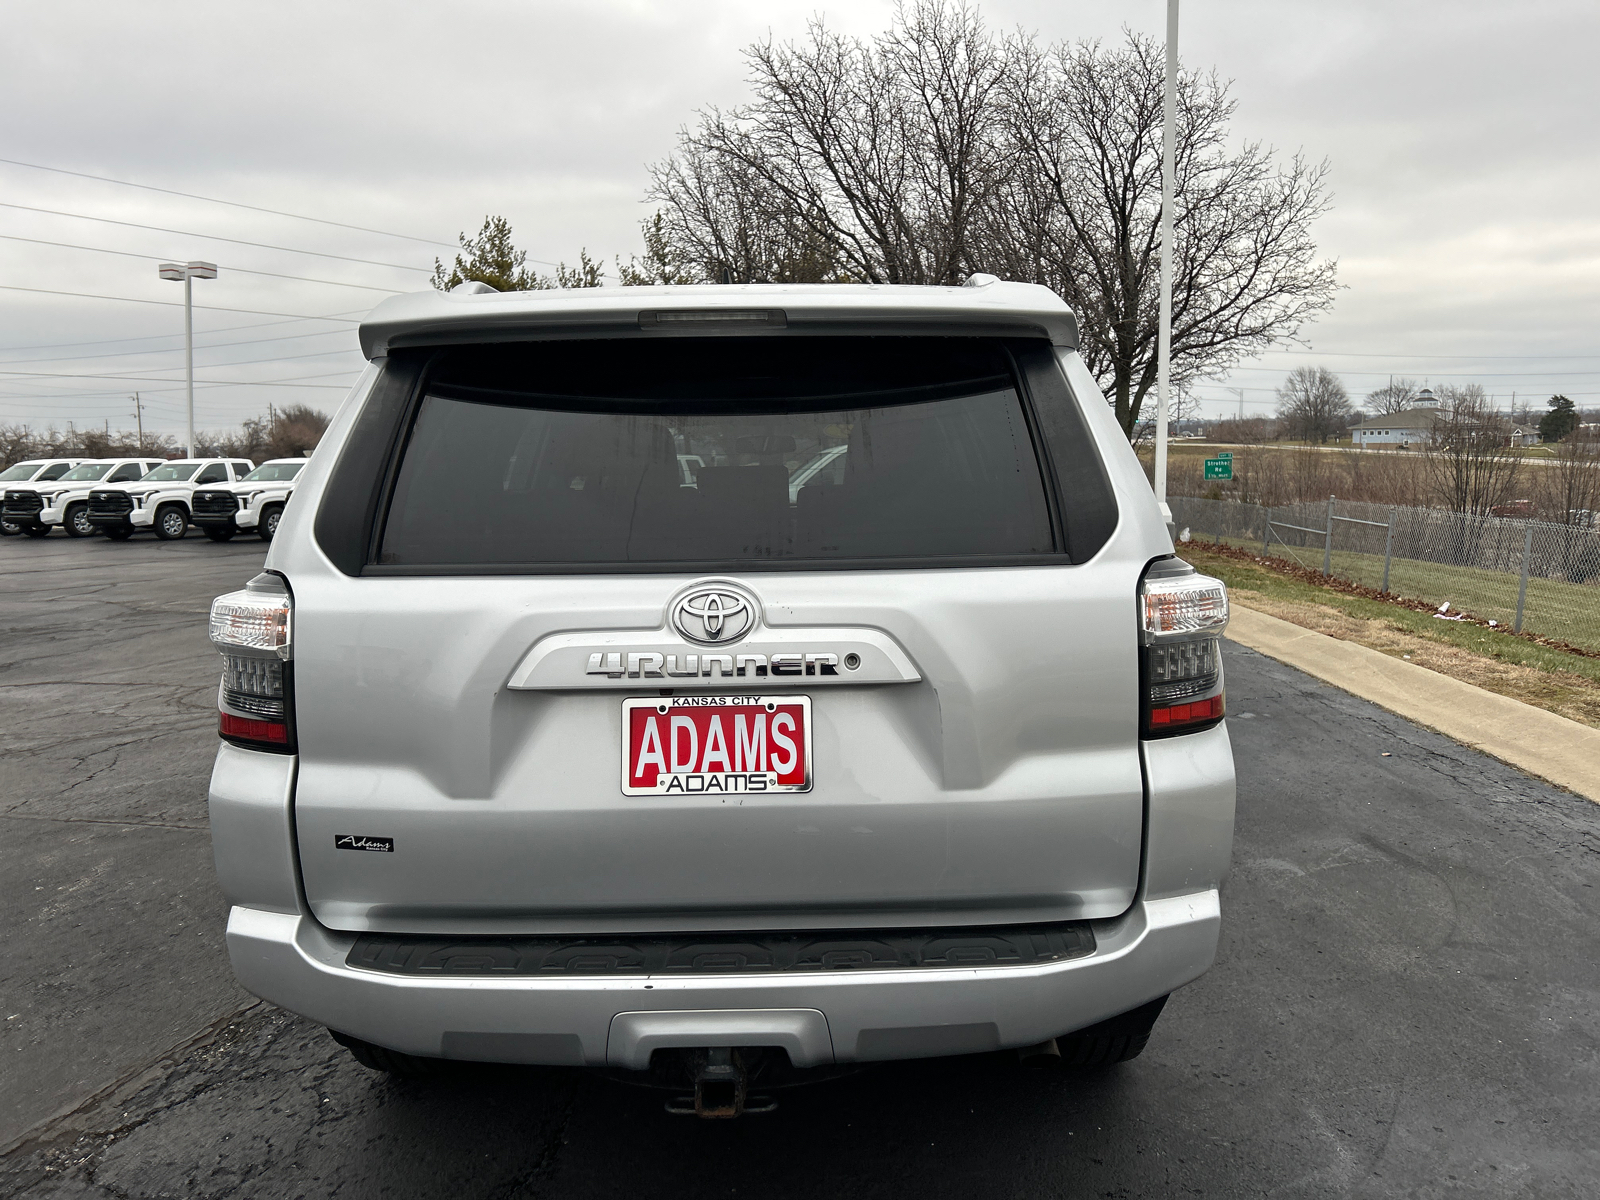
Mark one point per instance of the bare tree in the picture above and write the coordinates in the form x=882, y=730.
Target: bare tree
x=1395, y=396
x=1248, y=431
x=249, y=441
x=1184, y=406
x=16, y=444
x=295, y=431
x=938, y=149
x=1468, y=468
x=1082, y=215
x=1313, y=404
x=872, y=158
x=19, y=442
x=1569, y=483
x=664, y=260
x=720, y=222
x=1569, y=490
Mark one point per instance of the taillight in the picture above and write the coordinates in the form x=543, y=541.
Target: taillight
x=1182, y=615
x=252, y=630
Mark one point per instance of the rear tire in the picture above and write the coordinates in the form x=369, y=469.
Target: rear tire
x=76, y=521
x=390, y=1062
x=1112, y=1041
x=219, y=533
x=36, y=530
x=267, y=527
x=117, y=533
x=171, y=522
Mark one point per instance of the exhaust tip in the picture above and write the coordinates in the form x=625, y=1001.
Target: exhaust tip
x=1040, y=1057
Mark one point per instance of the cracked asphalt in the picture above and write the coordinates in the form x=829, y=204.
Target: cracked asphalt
x=1404, y=1003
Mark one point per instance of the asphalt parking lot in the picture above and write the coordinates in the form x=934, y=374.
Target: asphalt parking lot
x=1404, y=1002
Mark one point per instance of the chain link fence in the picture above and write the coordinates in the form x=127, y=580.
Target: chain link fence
x=1530, y=575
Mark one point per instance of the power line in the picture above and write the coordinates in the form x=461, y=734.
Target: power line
x=231, y=203
x=288, y=337
x=11, y=237
x=1446, y=357
x=173, y=304
x=1451, y=374
x=160, y=379
x=55, y=212
x=232, y=362
x=101, y=399
x=202, y=333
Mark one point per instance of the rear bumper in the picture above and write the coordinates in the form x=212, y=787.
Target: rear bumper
x=849, y=1016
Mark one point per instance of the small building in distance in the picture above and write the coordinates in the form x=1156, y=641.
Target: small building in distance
x=1524, y=435
x=1396, y=429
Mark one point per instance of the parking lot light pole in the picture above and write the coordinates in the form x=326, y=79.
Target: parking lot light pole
x=1164, y=336
x=189, y=272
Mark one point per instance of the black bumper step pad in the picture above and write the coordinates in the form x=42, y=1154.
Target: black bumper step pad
x=733, y=953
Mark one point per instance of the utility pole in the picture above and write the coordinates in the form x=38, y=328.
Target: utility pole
x=138, y=417
x=1239, y=392
x=189, y=272
x=1164, y=343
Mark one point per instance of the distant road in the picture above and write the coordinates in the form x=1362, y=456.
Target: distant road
x=1542, y=462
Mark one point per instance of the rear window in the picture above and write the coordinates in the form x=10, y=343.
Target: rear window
x=748, y=450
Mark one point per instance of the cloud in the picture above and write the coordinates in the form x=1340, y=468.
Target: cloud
x=1463, y=166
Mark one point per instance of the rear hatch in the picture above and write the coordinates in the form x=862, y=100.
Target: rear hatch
x=879, y=554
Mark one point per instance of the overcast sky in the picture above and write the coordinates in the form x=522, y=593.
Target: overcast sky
x=1461, y=136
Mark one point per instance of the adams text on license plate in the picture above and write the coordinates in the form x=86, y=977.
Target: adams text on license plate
x=691, y=745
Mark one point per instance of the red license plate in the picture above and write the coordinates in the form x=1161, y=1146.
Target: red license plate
x=688, y=745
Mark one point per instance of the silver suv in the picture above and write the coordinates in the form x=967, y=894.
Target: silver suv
x=540, y=747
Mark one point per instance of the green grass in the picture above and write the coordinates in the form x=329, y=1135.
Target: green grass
x=1255, y=578
x=1568, y=612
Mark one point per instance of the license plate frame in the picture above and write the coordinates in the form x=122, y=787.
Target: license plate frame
x=736, y=739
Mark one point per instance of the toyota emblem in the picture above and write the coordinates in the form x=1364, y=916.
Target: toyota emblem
x=714, y=615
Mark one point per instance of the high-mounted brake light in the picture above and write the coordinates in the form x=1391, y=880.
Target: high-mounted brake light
x=252, y=631
x=1181, y=616
x=761, y=318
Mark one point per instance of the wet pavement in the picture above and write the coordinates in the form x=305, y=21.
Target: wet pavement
x=1404, y=1002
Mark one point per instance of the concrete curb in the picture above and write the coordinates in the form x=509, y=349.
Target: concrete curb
x=1564, y=752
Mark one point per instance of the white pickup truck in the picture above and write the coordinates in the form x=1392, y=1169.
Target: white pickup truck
x=255, y=502
x=33, y=470
x=65, y=501
x=161, y=501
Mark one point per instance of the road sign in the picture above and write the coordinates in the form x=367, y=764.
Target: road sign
x=1219, y=468
x=1225, y=454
